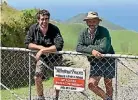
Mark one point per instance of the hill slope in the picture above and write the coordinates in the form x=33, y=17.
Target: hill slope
x=8, y=12
x=123, y=41
x=79, y=19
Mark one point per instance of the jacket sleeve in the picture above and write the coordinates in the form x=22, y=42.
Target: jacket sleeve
x=29, y=37
x=58, y=41
x=103, y=47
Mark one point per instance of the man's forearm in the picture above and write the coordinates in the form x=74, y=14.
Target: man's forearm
x=49, y=49
x=35, y=46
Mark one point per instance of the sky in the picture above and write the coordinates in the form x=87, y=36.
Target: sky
x=120, y=12
x=73, y=2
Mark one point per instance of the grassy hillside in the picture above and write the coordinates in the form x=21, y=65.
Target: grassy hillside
x=70, y=34
x=79, y=19
x=123, y=41
x=8, y=13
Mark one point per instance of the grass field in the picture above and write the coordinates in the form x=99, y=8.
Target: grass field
x=23, y=91
x=124, y=41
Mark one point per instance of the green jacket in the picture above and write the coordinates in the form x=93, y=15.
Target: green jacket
x=101, y=42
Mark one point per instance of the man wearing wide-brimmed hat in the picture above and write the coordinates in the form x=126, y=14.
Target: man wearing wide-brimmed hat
x=95, y=40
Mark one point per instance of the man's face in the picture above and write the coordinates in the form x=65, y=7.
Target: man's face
x=43, y=21
x=92, y=23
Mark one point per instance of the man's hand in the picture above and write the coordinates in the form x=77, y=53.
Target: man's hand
x=39, y=53
x=96, y=53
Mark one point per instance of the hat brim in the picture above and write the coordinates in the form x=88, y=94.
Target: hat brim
x=87, y=18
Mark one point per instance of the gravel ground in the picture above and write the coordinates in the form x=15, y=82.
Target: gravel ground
x=127, y=81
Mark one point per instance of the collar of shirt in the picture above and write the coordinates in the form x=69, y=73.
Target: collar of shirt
x=92, y=35
x=39, y=30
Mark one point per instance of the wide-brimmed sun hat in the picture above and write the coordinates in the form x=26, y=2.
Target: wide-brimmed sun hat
x=92, y=15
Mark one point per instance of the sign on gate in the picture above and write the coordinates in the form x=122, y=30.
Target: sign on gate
x=67, y=78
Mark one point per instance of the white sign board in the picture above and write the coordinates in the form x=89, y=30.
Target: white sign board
x=67, y=78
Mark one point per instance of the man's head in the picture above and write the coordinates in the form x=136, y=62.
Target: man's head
x=43, y=17
x=92, y=20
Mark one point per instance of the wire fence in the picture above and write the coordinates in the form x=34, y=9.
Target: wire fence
x=18, y=67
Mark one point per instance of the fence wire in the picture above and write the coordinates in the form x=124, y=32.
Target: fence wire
x=16, y=84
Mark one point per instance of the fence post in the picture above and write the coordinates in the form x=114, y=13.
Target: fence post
x=29, y=77
x=116, y=79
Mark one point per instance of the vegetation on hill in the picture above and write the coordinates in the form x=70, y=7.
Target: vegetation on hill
x=8, y=12
x=14, y=29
